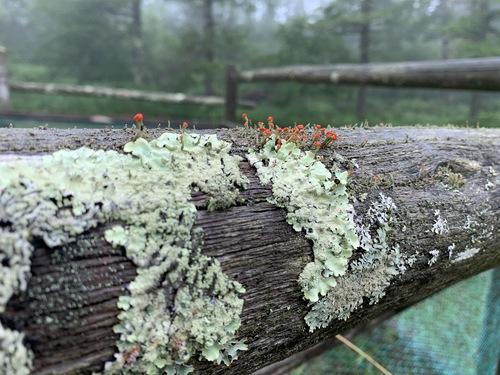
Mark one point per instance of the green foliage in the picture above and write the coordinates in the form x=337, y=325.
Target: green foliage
x=84, y=40
x=310, y=42
x=111, y=107
x=91, y=42
x=476, y=32
x=30, y=72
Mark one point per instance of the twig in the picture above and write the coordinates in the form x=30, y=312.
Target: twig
x=362, y=353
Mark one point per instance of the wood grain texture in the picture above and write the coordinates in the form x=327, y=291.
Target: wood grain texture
x=258, y=248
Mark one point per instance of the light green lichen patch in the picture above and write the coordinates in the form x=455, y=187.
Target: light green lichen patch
x=466, y=254
x=316, y=202
x=15, y=358
x=493, y=175
x=440, y=225
x=180, y=303
x=434, y=254
x=370, y=275
x=450, y=179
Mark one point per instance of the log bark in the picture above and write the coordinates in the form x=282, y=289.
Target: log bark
x=107, y=92
x=469, y=74
x=256, y=246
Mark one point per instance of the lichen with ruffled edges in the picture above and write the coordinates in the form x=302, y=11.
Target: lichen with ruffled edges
x=180, y=303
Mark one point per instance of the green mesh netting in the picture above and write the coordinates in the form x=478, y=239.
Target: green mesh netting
x=456, y=331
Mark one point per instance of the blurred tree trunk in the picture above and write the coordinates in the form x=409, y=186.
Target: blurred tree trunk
x=445, y=41
x=269, y=15
x=475, y=107
x=481, y=18
x=208, y=45
x=137, y=43
x=364, y=49
x=444, y=18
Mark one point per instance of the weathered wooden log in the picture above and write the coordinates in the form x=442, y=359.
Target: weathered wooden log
x=468, y=74
x=108, y=92
x=426, y=209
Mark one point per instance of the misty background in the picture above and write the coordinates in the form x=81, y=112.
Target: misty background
x=185, y=46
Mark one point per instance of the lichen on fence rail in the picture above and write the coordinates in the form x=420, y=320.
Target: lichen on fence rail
x=181, y=303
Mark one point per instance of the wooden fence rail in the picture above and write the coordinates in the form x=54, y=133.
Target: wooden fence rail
x=95, y=91
x=440, y=231
x=107, y=92
x=467, y=74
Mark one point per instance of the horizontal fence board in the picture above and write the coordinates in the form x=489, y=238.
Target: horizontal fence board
x=107, y=92
x=469, y=74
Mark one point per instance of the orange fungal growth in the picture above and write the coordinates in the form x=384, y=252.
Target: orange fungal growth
x=299, y=134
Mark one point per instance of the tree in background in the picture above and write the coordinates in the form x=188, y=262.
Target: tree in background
x=209, y=35
x=185, y=45
x=21, y=36
x=444, y=15
x=137, y=42
x=306, y=40
x=385, y=30
x=208, y=45
x=478, y=35
x=364, y=51
x=85, y=41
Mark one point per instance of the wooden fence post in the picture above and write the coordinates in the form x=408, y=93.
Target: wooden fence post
x=231, y=92
x=4, y=87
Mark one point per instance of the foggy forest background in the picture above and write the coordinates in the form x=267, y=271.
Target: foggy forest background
x=184, y=46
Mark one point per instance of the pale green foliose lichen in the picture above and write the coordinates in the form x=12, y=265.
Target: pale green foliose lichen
x=370, y=275
x=15, y=358
x=317, y=203
x=180, y=303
